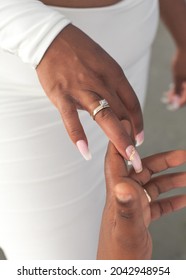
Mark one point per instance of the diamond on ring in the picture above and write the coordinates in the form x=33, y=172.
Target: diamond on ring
x=103, y=104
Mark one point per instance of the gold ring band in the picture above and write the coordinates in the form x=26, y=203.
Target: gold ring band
x=148, y=196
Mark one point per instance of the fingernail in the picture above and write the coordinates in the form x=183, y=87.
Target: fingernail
x=165, y=99
x=121, y=194
x=123, y=198
x=134, y=157
x=83, y=148
x=139, y=138
x=174, y=105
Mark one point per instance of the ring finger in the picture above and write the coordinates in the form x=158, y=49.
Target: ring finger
x=108, y=120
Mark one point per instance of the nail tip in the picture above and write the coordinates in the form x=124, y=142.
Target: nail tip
x=88, y=157
x=83, y=149
x=134, y=157
x=172, y=108
x=139, y=170
x=139, y=138
x=139, y=143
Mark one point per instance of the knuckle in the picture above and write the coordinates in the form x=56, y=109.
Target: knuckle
x=135, y=106
x=122, y=138
x=75, y=133
x=120, y=75
x=82, y=77
x=67, y=112
x=127, y=214
x=57, y=89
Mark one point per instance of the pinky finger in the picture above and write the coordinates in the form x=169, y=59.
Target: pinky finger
x=73, y=126
x=168, y=205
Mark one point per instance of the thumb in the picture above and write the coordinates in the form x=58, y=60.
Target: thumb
x=129, y=211
x=115, y=168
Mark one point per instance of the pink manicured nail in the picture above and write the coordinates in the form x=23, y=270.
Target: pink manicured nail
x=83, y=148
x=134, y=157
x=173, y=107
x=175, y=104
x=139, y=138
x=165, y=98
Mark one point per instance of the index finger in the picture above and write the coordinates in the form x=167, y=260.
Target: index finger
x=118, y=135
x=158, y=163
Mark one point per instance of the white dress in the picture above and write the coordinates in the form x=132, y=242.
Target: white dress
x=51, y=199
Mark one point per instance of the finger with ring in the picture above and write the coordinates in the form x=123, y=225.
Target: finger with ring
x=102, y=105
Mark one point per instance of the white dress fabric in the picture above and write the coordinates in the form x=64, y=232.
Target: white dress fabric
x=51, y=199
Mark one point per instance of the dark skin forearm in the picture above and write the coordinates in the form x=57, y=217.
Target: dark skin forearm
x=173, y=13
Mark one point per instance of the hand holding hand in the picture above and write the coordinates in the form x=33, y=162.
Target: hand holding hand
x=132, y=203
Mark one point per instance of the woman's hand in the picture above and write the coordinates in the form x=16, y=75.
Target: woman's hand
x=173, y=14
x=132, y=203
x=176, y=96
x=76, y=73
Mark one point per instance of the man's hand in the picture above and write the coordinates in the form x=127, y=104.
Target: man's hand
x=132, y=203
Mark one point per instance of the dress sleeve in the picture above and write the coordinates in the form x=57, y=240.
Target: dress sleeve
x=28, y=27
